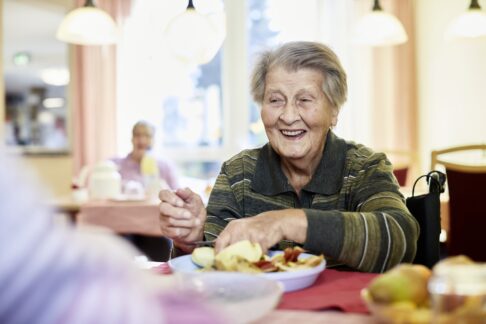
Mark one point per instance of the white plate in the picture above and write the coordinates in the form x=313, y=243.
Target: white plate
x=291, y=280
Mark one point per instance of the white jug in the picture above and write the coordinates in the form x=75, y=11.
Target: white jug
x=104, y=181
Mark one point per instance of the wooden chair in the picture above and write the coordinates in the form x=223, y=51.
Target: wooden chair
x=466, y=180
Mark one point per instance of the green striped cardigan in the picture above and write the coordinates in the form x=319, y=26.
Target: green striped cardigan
x=356, y=215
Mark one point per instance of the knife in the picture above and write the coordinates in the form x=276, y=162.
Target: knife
x=203, y=243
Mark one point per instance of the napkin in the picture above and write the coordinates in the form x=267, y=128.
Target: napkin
x=332, y=290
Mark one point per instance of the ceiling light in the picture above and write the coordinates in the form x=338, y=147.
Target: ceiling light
x=194, y=37
x=88, y=25
x=470, y=24
x=55, y=76
x=379, y=28
x=53, y=102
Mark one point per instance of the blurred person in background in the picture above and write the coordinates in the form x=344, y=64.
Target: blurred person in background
x=140, y=164
x=53, y=273
x=306, y=186
x=139, y=171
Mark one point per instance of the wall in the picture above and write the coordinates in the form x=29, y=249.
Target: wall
x=451, y=80
x=55, y=172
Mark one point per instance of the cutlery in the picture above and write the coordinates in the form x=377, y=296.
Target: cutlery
x=204, y=243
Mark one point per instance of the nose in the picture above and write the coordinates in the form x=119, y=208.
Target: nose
x=290, y=113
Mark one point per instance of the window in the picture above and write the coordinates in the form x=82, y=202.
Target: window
x=205, y=115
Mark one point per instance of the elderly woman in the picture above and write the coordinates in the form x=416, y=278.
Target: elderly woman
x=142, y=141
x=306, y=186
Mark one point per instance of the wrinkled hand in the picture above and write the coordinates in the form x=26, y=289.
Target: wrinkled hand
x=267, y=229
x=182, y=217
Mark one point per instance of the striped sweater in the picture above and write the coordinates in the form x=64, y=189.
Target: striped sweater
x=356, y=215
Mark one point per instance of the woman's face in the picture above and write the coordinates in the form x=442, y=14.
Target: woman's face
x=296, y=113
x=141, y=140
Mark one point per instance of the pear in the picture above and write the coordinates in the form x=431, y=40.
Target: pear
x=404, y=283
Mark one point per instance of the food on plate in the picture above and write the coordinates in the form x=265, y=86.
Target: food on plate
x=241, y=254
x=203, y=256
x=248, y=257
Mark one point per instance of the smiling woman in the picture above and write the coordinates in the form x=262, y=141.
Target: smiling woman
x=306, y=186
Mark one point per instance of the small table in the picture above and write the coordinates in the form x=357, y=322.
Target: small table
x=124, y=217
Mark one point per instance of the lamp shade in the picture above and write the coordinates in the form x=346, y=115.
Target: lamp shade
x=470, y=24
x=196, y=38
x=88, y=25
x=379, y=28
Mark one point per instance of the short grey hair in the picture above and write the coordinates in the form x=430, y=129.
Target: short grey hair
x=294, y=56
x=143, y=124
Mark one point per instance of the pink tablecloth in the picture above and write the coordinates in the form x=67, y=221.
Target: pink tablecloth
x=333, y=290
x=140, y=217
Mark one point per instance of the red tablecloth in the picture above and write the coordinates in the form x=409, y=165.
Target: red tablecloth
x=332, y=290
x=338, y=290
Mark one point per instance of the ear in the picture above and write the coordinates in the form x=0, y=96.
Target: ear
x=334, y=116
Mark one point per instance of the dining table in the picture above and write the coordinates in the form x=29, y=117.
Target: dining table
x=335, y=297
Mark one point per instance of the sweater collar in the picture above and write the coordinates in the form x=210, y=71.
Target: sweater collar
x=269, y=178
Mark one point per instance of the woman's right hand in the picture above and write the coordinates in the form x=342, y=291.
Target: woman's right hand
x=182, y=217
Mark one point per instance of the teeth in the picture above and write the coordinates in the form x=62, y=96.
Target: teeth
x=292, y=133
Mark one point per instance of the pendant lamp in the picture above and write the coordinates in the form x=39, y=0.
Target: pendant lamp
x=379, y=28
x=88, y=25
x=195, y=38
x=471, y=24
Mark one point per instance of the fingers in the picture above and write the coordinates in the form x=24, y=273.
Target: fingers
x=171, y=198
x=185, y=193
x=222, y=241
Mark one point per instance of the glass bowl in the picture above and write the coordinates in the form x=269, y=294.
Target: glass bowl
x=242, y=298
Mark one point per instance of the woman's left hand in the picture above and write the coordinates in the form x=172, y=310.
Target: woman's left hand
x=267, y=229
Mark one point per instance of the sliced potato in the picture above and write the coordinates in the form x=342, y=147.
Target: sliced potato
x=203, y=256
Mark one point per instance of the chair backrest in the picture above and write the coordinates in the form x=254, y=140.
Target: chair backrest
x=402, y=163
x=467, y=197
x=401, y=174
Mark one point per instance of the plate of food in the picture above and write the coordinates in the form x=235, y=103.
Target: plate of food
x=293, y=268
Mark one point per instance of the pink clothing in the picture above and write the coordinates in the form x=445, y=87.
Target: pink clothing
x=50, y=273
x=130, y=170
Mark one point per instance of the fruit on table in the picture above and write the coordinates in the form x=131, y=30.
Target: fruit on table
x=453, y=260
x=403, y=283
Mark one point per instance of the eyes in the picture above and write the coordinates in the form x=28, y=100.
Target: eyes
x=276, y=100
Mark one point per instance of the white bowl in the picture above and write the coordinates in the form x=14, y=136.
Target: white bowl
x=242, y=298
